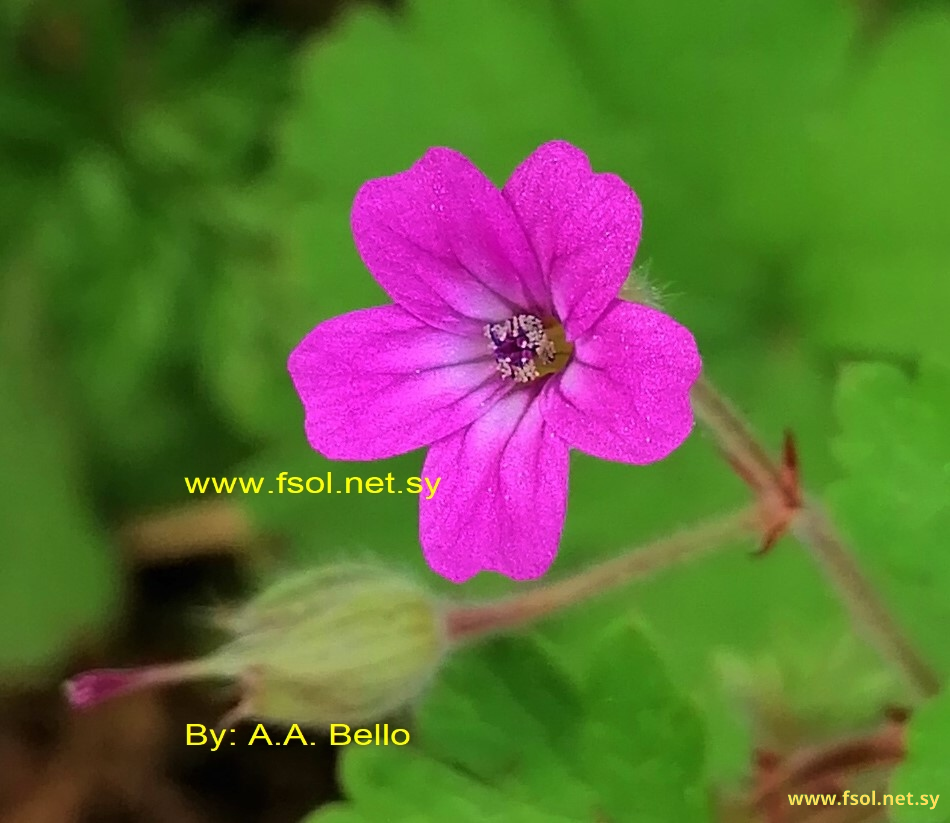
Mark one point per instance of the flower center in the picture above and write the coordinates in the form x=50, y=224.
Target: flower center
x=526, y=347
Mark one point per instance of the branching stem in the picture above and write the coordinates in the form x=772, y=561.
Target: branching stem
x=812, y=527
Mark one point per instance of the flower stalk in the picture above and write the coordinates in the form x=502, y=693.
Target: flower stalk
x=466, y=623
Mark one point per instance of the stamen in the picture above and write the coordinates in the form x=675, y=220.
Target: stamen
x=527, y=348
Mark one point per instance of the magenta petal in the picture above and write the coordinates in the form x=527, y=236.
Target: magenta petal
x=379, y=382
x=625, y=394
x=445, y=244
x=584, y=227
x=501, y=498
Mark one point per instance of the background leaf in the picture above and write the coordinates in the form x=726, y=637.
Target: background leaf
x=507, y=735
x=58, y=582
x=895, y=451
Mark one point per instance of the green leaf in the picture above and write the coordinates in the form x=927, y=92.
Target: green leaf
x=213, y=130
x=404, y=785
x=244, y=352
x=735, y=61
x=643, y=746
x=924, y=770
x=103, y=216
x=14, y=14
x=506, y=735
x=323, y=257
x=337, y=813
x=895, y=450
x=880, y=178
x=58, y=578
x=505, y=87
x=535, y=716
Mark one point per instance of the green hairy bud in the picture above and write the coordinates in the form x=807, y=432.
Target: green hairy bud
x=348, y=643
x=640, y=287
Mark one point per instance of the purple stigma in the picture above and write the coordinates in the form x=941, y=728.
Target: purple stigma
x=519, y=344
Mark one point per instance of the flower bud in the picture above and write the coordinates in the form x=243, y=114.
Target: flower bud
x=347, y=643
x=344, y=644
x=640, y=287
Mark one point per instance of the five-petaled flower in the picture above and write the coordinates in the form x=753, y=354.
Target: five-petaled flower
x=505, y=346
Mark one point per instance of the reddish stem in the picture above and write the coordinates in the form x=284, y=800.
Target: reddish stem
x=467, y=622
x=783, y=506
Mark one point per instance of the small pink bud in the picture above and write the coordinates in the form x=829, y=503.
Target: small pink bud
x=91, y=688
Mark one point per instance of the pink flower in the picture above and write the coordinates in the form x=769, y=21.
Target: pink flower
x=504, y=348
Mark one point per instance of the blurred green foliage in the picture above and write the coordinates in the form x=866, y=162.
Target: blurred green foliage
x=506, y=735
x=174, y=201
x=137, y=222
x=895, y=496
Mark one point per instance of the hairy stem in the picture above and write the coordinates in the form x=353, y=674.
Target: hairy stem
x=868, y=613
x=467, y=622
